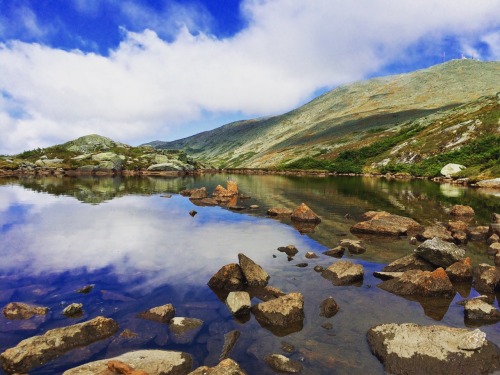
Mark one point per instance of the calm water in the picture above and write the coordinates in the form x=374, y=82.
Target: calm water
x=143, y=250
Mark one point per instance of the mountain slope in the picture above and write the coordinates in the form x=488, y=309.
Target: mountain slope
x=344, y=118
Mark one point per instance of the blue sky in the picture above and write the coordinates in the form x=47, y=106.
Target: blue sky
x=142, y=70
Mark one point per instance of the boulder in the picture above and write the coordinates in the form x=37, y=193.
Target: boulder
x=487, y=278
x=225, y=367
x=289, y=250
x=451, y=169
x=384, y=223
x=229, y=277
x=494, y=238
x=279, y=211
x=344, y=272
x=254, y=274
x=284, y=314
x=304, y=214
x=152, y=362
x=490, y=184
x=436, y=230
x=160, y=314
x=477, y=311
x=20, y=310
x=38, y=350
x=412, y=349
x=198, y=193
x=409, y=262
x=184, y=330
x=238, y=302
x=439, y=252
x=460, y=271
x=73, y=309
x=461, y=210
x=353, y=246
x=280, y=363
x=328, y=307
x=479, y=233
x=420, y=284
x=336, y=252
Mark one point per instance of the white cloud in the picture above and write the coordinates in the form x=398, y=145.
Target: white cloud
x=148, y=86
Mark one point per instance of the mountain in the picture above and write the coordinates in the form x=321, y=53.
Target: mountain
x=353, y=117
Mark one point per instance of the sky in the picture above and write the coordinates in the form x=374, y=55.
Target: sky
x=143, y=70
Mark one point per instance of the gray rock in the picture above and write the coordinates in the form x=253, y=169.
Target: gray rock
x=480, y=311
x=20, y=310
x=152, y=362
x=284, y=314
x=451, y=169
x=280, y=363
x=160, y=314
x=413, y=349
x=472, y=340
x=439, y=252
x=409, y=262
x=73, y=310
x=184, y=330
x=38, y=350
x=344, y=272
x=238, y=302
x=254, y=274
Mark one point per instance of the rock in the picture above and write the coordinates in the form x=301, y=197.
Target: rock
x=344, y=272
x=253, y=206
x=494, y=248
x=460, y=271
x=491, y=184
x=301, y=265
x=279, y=211
x=254, y=274
x=494, y=238
x=483, y=298
x=479, y=233
x=304, y=214
x=225, y=367
x=284, y=314
x=73, y=310
x=238, y=302
x=310, y=255
x=487, y=279
x=353, y=246
x=409, y=262
x=478, y=311
x=160, y=314
x=420, y=284
x=413, y=349
x=495, y=218
x=436, y=230
x=192, y=213
x=473, y=340
x=229, y=277
x=38, y=350
x=20, y=310
x=319, y=268
x=497, y=259
x=494, y=228
x=336, y=252
x=265, y=293
x=439, y=252
x=328, y=307
x=184, y=330
x=172, y=165
x=387, y=275
x=459, y=237
x=118, y=367
x=220, y=191
x=289, y=250
x=460, y=210
x=384, y=223
x=198, y=193
x=232, y=187
x=86, y=289
x=230, y=340
x=451, y=169
x=152, y=362
x=280, y=363
x=456, y=226
x=205, y=202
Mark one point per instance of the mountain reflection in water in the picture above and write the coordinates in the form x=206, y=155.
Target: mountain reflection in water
x=141, y=250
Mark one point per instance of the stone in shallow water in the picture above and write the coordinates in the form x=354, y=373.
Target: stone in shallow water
x=344, y=272
x=282, y=315
x=254, y=274
x=161, y=314
x=280, y=363
x=20, y=310
x=440, y=252
x=229, y=277
x=73, y=310
x=238, y=302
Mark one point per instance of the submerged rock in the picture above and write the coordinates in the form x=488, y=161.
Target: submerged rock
x=439, y=252
x=20, y=310
x=184, y=330
x=280, y=363
x=161, y=314
x=74, y=309
x=344, y=272
x=254, y=274
x=384, y=223
x=230, y=340
x=329, y=307
x=304, y=214
x=38, y=350
x=413, y=349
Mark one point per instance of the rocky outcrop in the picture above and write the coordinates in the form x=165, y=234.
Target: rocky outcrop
x=229, y=277
x=20, y=310
x=254, y=274
x=413, y=349
x=344, y=272
x=409, y=262
x=238, y=302
x=384, y=223
x=304, y=214
x=152, y=362
x=160, y=314
x=439, y=252
x=420, y=284
x=282, y=315
x=280, y=363
x=225, y=367
x=38, y=350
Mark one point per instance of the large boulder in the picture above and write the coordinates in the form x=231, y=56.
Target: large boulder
x=304, y=214
x=152, y=362
x=254, y=274
x=420, y=284
x=409, y=262
x=344, y=272
x=20, y=310
x=412, y=349
x=38, y=350
x=160, y=314
x=229, y=277
x=384, y=223
x=225, y=367
x=439, y=252
x=281, y=315
x=451, y=169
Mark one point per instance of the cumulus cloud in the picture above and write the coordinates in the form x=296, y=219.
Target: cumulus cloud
x=149, y=86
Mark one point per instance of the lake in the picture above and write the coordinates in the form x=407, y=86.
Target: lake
x=141, y=248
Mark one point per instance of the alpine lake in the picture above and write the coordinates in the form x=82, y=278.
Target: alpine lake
x=134, y=240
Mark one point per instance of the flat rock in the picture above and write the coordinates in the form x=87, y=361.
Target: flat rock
x=20, y=310
x=409, y=262
x=436, y=230
x=336, y=252
x=460, y=271
x=280, y=363
x=304, y=214
x=344, y=272
x=279, y=211
x=286, y=312
x=479, y=311
x=413, y=349
x=420, y=283
x=152, y=362
x=461, y=210
x=254, y=274
x=439, y=252
x=353, y=246
x=493, y=183
x=225, y=367
x=229, y=277
x=161, y=314
x=38, y=350
x=238, y=302
x=384, y=223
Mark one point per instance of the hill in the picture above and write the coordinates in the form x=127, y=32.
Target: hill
x=400, y=111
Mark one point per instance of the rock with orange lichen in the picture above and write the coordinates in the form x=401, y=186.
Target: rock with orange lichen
x=460, y=271
x=439, y=252
x=420, y=284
